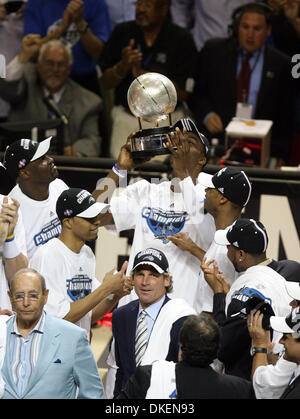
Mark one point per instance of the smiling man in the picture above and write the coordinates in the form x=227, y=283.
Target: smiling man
x=147, y=329
x=68, y=264
x=46, y=358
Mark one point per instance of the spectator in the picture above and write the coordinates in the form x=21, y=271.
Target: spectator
x=31, y=87
x=192, y=377
x=68, y=264
x=120, y=11
x=270, y=381
x=146, y=329
x=37, y=190
x=141, y=46
x=12, y=245
x=264, y=83
x=227, y=193
x=53, y=359
x=208, y=19
x=246, y=241
x=11, y=34
x=83, y=25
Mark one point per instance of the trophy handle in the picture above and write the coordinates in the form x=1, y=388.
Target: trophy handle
x=140, y=123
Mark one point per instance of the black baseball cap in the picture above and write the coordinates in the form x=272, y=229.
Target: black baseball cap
x=21, y=152
x=152, y=257
x=288, y=324
x=231, y=183
x=77, y=202
x=190, y=126
x=245, y=234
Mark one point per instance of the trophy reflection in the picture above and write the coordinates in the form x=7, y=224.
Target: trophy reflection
x=151, y=97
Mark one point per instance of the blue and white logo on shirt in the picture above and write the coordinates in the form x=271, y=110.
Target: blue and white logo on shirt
x=164, y=223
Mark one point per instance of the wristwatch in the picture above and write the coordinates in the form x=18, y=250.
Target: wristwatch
x=254, y=350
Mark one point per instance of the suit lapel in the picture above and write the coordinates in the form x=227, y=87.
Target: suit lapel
x=267, y=79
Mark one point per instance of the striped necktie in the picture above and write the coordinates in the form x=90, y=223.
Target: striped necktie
x=141, y=338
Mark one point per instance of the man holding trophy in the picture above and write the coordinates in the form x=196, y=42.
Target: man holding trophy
x=159, y=210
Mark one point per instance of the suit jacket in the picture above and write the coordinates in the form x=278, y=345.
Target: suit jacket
x=124, y=328
x=215, y=90
x=80, y=106
x=191, y=383
x=65, y=361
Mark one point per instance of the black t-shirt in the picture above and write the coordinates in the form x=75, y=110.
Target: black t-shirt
x=173, y=54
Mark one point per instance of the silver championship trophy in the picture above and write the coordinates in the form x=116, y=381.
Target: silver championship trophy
x=151, y=97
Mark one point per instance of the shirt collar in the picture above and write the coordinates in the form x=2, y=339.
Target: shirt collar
x=39, y=327
x=154, y=309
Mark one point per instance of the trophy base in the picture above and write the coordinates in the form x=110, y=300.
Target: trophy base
x=150, y=142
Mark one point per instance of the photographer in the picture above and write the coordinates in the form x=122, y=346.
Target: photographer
x=270, y=381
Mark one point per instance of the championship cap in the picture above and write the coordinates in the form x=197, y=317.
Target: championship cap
x=231, y=183
x=21, y=152
x=76, y=202
x=245, y=234
x=152, y=257
x=288, y=324
x=190, y=126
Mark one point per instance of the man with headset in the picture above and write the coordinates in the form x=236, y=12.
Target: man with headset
x=243, y=72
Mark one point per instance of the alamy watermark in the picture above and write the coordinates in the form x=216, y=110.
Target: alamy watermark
x=2, y=67
x=296, y=67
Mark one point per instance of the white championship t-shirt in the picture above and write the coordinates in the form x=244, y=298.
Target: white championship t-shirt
x=39, y=217
x=20, y=238
x=69, y=277
x=155, y=212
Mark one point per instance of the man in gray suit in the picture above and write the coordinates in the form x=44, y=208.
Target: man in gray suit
x=46, y=357
x=43, y=91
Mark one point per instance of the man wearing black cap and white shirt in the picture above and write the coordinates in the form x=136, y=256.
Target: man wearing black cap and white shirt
x=147, y=329
x=68, y=265
x=246, y=242
x=227, y=192
x=37, y=189
x=271, y=379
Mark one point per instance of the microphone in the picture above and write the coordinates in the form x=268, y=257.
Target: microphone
x=52, y=105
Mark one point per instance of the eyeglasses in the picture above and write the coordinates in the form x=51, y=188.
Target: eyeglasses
x=20, y=296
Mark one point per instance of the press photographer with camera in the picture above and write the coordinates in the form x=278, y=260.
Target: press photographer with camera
x=275, y=380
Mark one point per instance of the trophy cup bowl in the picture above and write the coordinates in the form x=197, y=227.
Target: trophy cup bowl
x=151, y=97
